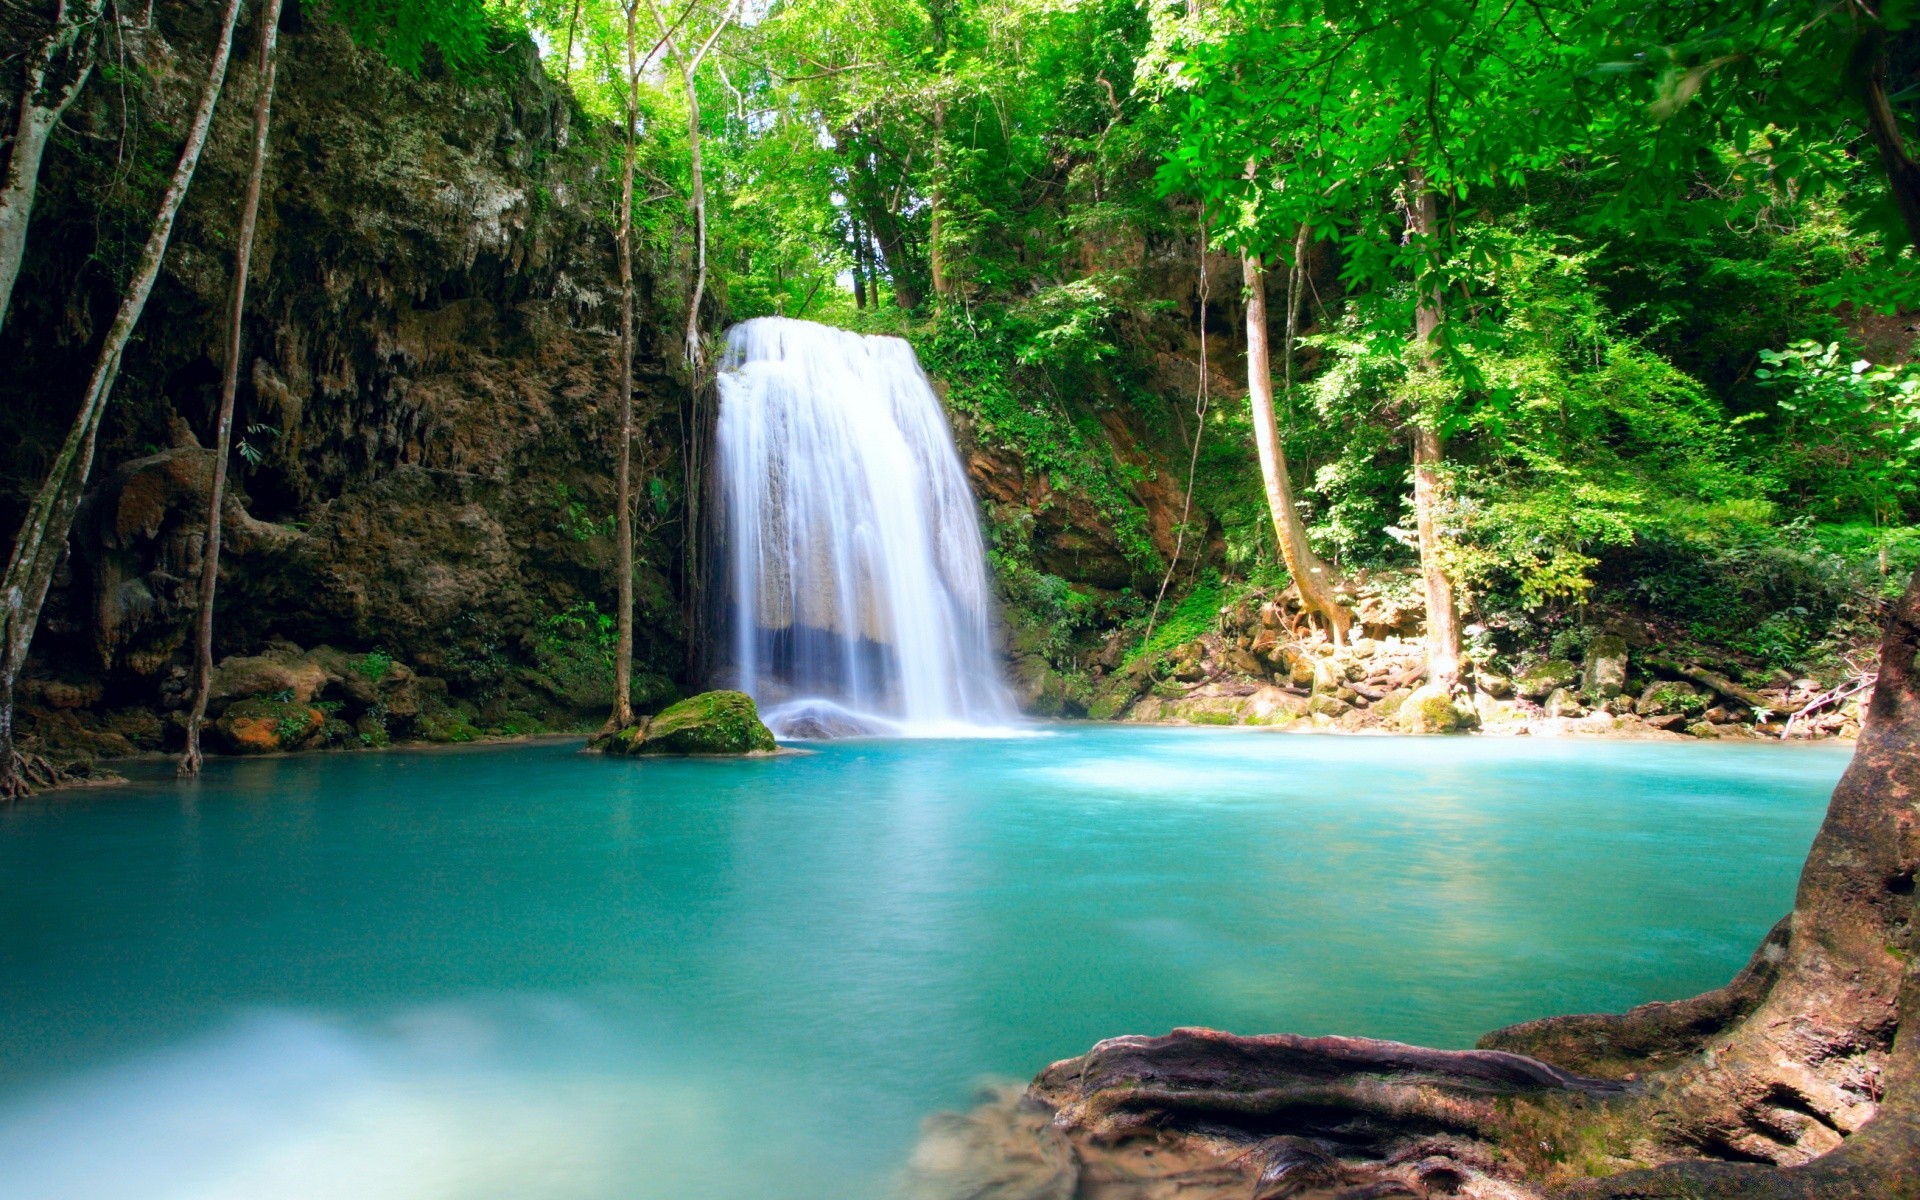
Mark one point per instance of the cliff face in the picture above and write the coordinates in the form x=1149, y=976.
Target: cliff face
x=426, y=400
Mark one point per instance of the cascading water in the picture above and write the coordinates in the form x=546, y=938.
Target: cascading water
x=857, y=587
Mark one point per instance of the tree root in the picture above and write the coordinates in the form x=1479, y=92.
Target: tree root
x=29, y=773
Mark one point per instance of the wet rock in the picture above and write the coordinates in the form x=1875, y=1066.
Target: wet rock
x=710, y=723
x=1542, y=679
x=1605, y=673
x=1493, y=684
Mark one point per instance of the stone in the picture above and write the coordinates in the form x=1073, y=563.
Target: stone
x=1495, y=685
x=1364, y=647
x=241, y=676
x=1563, y=703
x=1327, y=675
x=1542, y=679
x=711, y=723
x=1432, y=709
x=1300, y=673
x=1326, y=704
x=1271, y=706
x=1668, y=721
x=265, y=725
x=1605, y=673
x=1669, y=696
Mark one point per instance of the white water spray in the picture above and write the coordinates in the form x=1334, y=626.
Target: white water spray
x=857, y=584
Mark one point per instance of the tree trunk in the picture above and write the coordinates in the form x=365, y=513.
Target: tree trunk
x=265, y=68
x=859, y=263
x=1800, y=1079
x=1867, y=71
x=66, y=53
x=1429, y=456
x=1310, y=575
x=621, y=715
x=937, y=206
x=43, y=535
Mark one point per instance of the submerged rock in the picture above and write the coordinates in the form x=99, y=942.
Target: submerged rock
x=710, y=723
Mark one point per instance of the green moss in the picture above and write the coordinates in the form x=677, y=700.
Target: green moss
x=710, y=723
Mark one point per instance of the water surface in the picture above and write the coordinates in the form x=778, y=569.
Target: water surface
x=525, y=972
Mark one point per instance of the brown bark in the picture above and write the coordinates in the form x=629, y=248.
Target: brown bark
x=56, y=69
x=1867, y=71
x=621, y=714
x=1310, y=575
x=42, y=539
x=1799, y=1079
x=937, y=206
x=265, y=66
x=1429, y=457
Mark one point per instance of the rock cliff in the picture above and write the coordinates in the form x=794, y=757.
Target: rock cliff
x=426, y=402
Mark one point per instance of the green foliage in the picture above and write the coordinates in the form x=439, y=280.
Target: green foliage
x=1196, y=614
x=1029, y=413
x=1848, y=429
x=374, y=666
x=459, y=32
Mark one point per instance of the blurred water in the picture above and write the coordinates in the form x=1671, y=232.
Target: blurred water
x=856, y=587
x=525, y=972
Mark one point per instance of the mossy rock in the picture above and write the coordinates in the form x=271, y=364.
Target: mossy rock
x=1112, y=698
x=1543, y=679
x=1670, y=696
x=1432, y=709
x=710, y=723
x=264, y=725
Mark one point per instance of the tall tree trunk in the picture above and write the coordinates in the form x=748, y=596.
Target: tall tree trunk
x=1429, y=451
x=56, y=70
x=937, y=206
x=1867, y=72
x=43, y=535
x=859, y=263
x=621, y=715
x=265, y=68
x=1310, y=575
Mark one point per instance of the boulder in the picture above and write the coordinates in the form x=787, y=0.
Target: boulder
x=265, y=724
x=1605, y=673
x=1327, y=704
x=1670, y=696
x=1432, y=709
x=1563, y=703
x=710, y=723
x=1542, y=679
x=1495, y=685
x=242, y=676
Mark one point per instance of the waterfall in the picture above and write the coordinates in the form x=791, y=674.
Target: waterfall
x=856, y=595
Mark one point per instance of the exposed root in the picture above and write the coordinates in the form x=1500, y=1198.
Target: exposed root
x=1798, y=1080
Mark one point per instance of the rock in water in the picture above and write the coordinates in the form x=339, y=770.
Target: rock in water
x=710, y=723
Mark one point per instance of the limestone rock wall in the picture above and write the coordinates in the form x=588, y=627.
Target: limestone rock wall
x=427, y=395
